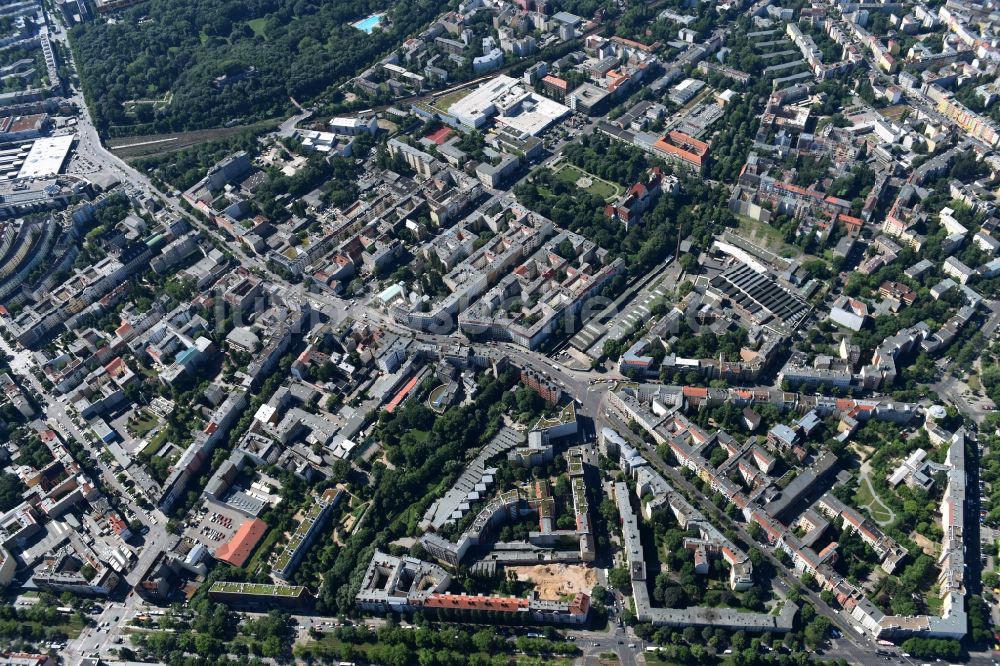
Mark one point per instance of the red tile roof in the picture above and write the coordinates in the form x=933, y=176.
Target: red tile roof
x=634, y=44
x=237, y=550
x=399, y=397
x=440, y=136
x=465, y=602
x=562, y=84
x=685, y=147
x=117, y=524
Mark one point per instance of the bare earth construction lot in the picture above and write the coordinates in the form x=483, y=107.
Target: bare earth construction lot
x=555, y=581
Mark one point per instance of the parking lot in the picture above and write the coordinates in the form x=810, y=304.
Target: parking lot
x=214, y=525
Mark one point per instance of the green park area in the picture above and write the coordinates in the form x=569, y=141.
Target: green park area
x=585, y=181
x=867, y=499
x=155, y=68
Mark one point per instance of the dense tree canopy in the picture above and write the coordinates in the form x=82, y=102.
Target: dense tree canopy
x=696, y=211
x=297, y=49
x=10, y=491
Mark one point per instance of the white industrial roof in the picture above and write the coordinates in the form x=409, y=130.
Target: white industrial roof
x=46, y=156
x=534, y=121
x=532, y=112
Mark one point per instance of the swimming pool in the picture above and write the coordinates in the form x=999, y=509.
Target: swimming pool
x=368, y=24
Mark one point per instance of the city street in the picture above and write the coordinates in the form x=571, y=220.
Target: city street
x=95, y=640
x=958, y=393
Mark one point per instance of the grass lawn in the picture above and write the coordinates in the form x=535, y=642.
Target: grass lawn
x=148, y=373
x=155, y=443
x=359, y=510
x=420, y=435
x=933, y=601
x=653, y=660
x=551, y=422
x=766, y=236
x=69, y=626
x=866, y=497
x=598, y=187
x=258, y=25
x=895, y=112
x=974, y=383
x=144, y=423
x=444, y=102
x=880, y=512
x=151, y=447
x=263, y=550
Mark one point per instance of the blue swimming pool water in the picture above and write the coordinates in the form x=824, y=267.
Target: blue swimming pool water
x=368, y=24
